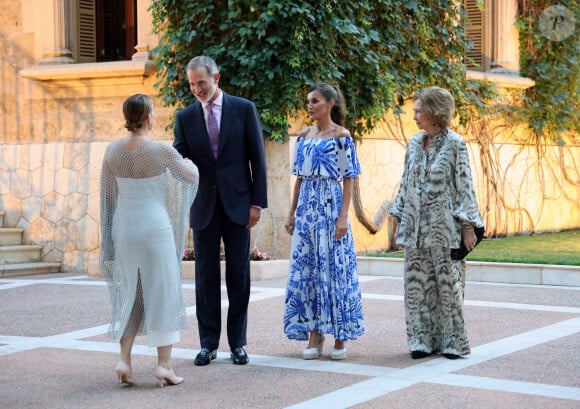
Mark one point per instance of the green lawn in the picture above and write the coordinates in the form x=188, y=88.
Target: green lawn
x=547, y=248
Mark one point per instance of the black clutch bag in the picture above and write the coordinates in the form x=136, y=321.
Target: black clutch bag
x=461, y=252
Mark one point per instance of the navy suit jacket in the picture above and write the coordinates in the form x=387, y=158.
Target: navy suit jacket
x=238, y=173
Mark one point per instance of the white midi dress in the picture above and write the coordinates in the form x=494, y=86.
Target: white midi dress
x=143, y=226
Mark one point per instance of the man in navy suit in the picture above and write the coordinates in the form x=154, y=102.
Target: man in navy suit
x=222, y=135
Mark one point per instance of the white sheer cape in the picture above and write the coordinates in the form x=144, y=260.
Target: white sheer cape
x=146, y=195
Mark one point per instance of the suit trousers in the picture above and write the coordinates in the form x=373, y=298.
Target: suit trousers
x=236, y=239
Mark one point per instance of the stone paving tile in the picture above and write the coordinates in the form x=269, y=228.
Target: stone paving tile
x=57, y=378
x=54, y=353
x=550, y=295
x=49, y=309
x=430, y=396
x=556, y=362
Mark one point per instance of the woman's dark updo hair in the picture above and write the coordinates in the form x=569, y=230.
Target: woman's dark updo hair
x=330, y=92
x=136, y=110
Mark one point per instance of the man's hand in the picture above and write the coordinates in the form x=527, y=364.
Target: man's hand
x=255, y=213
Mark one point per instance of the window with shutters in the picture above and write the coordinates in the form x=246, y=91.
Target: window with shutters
x=106, y=30
x=478, y=55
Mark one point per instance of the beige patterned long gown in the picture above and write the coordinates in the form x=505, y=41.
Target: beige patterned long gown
x=435, y=198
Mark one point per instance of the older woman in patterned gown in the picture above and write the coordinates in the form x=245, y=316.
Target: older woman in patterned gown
x=323, y=294
x=435, y=208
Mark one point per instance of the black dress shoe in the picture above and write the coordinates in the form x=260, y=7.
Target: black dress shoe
x=419, y=354
x=451, y=356
x=205, y=356
x=239, y=356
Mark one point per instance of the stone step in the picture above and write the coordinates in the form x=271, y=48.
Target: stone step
x=483, y=271
x=25, y=269
x=10, y=236
x=24, y=253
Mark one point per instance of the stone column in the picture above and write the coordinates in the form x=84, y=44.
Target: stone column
x=505, y=44
x=145, y=39
x=60, y=54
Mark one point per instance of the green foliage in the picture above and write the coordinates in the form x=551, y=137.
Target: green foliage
x=552, y=105
x=379, y=52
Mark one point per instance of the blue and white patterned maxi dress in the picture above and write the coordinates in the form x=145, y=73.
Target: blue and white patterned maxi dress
x=323, y=292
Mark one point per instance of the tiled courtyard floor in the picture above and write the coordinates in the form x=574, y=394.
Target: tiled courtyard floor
x=54, y=353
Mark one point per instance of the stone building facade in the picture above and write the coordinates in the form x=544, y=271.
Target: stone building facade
x=60, y=102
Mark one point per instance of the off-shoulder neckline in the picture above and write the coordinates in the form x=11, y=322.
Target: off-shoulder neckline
x=324, y=138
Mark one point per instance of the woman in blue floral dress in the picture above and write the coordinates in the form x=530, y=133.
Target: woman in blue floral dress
x=323, y=293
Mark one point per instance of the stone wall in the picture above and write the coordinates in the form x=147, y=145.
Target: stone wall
x=52, y=191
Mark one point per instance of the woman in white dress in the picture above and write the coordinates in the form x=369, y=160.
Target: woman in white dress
x=147, y=189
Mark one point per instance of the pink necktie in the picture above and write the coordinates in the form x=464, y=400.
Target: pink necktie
x=212, y=129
